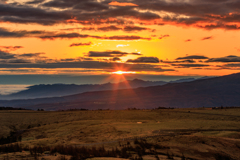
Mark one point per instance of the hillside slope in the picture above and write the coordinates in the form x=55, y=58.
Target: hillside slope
x=212, y=92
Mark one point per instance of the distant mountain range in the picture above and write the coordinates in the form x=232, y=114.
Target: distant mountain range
x=57, y=90
x=211, y=92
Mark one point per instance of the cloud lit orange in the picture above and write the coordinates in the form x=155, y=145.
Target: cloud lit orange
x=98, y=37
x=115, y=3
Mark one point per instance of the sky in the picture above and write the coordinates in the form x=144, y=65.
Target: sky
x=136, y=37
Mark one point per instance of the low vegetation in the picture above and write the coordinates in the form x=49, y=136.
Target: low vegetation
x=127, y=134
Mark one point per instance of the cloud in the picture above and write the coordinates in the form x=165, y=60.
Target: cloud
x=30, y=55
x=4, y=33
x=126, y=38
x=231, y=58
x=116, y=59
x=26, y=14
x=106, y=66
x=204, y=14
x=190, y=65
x=110, y=54
x=88, y=5
x=6, y=55
x=35, y=2
x=8, y=58
x=116, y=28
x=192, y=57
x=164, y=36
x=10, y=48
x=109, y=28
x=144, y=60
x=71, y=11
x=31, y=61
x=194, y=11
x=77, y=35
x=184, y=61
x=188, y=40
x=3, y=1
x=115, y=3
x=81, y=44
x=206, y=38
x=134, y=28
x=19, y=61
x=231, y=65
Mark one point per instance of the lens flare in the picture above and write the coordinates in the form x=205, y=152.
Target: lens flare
x=123, y=72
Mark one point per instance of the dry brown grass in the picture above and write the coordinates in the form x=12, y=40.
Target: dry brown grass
x=84, y=127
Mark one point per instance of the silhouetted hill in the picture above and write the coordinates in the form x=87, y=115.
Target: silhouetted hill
x=212, y=92
x=57, y=90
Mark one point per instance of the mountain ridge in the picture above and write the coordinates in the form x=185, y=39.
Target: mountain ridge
x=57, y=90
x=212, y=92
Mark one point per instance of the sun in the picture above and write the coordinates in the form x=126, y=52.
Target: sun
x=123, y=72
x=118, y=72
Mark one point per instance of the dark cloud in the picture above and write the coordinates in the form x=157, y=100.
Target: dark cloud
x=26, y=14
x=197, y=11
x=144, y=60
x=4, y=33
x=10, y=48
x=188, y=40
x=231, y=58
x=192, y=57
x=65, y=35
x=71, y=11
x=69, y=60
x=30, y=55
x=109, y=54
x=77, y=35
x=3, y=1
x=184, y=61
x=109, y=28
x=8, y=58
x=6, y=55
x=62, y=3
x=126, y=38
x=89, y=5
x=164, y=36
x=202, y=14
x=71, y=29
x=134, y=28
x=206, y=38
x=116, y=59
x=19, y=61
x=35, y=2
x=107, y=66
x=81, y=44
x=231, y=65
x=116, y=28
x=190, y=65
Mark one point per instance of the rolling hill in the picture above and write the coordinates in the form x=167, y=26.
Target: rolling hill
x=57, y=90
x=212, y=92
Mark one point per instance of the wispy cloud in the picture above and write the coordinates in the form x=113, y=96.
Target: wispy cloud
x=81, y=44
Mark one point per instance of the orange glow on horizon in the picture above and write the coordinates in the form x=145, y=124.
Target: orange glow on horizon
x=123, y=72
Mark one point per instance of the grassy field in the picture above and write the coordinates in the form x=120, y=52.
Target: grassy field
x=207, y=131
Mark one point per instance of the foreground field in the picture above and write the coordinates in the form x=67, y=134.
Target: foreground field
x=194, y=133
